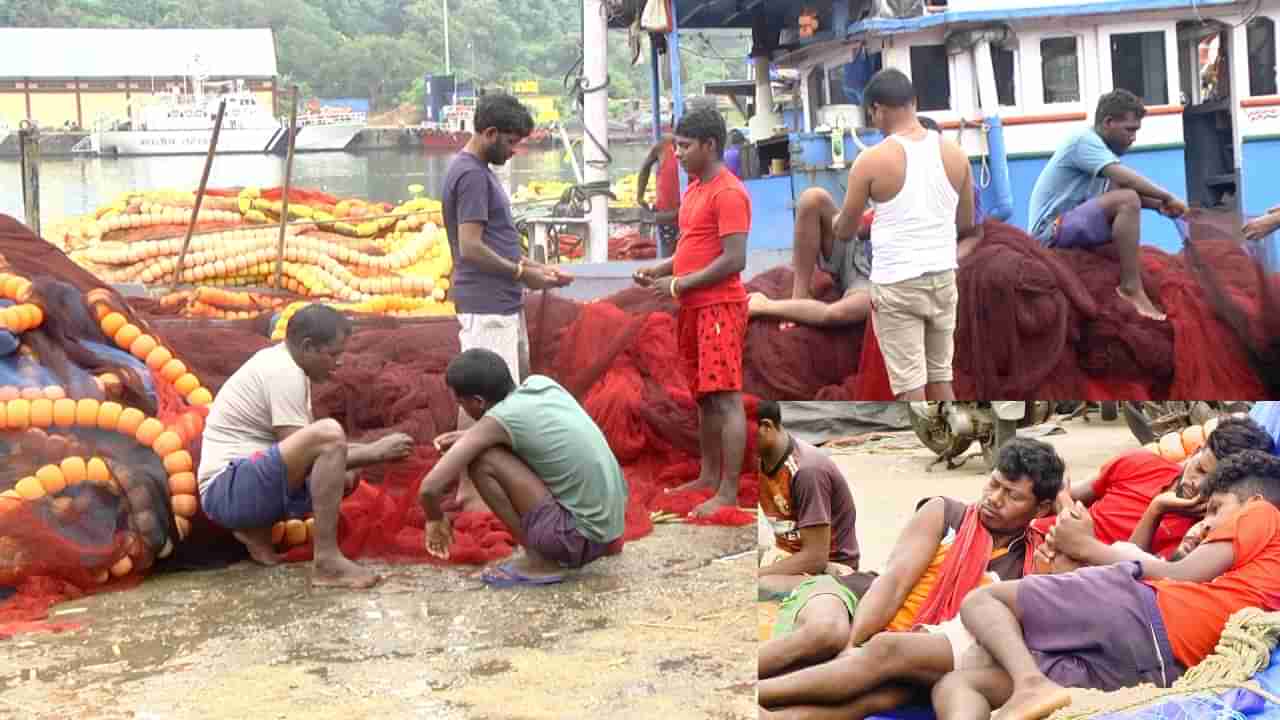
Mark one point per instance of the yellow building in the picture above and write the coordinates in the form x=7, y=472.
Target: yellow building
x=542, y=107
x=58, y=76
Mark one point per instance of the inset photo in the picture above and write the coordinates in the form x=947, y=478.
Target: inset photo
x=1073, y=559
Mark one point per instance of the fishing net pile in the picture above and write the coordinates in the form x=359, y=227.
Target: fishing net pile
x=139, y=377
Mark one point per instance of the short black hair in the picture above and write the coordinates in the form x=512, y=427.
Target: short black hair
x=769, y=410
x=1118, y=103
x=929, y=123
x=703, y=123
x=1245, y=474
x=481, y=373
x=1236, y=434
x=318, y=323
x=889, y=87
x=504, y=112
x=1035, y=460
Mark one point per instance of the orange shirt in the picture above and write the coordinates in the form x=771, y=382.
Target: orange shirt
x=905, y=619
x=710, y=212
x=1194, y=613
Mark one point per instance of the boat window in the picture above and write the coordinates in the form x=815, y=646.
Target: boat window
x=1262, y=56
x=930, y=73
x=1138, y=65
x=1002, y=61
x=1060, y=69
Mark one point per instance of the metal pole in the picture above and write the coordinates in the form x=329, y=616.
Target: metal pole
x=677, y=84
x=447, y=70
x=204, y=181
x=595, y=115
x=29, y=150
x=655, y=88
x=288, y=179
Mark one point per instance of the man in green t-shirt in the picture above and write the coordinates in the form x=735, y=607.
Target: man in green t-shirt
x=539, y=461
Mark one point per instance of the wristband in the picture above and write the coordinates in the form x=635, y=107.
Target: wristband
x=520, y=270
x=675, y=293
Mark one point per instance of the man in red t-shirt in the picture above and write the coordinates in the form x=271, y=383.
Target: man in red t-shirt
x=1142, y=498
x=704, y=277
x=666, y=204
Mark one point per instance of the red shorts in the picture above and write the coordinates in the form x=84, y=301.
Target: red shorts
x=710, y=340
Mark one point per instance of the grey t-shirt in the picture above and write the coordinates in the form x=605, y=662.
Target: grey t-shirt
x=267, y=392
x=472, y=193
x=561, y=443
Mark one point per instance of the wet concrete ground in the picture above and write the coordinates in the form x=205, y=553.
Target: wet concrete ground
x=665, y=630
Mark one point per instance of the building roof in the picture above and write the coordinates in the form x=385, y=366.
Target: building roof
x=65, y=53
x=892, y=26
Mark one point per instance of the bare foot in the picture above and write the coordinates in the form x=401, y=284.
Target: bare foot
x=260, y=551
x=342, y=572
x=711, y=506
x=1143, y=305
x=1038, y=700
x=529, y=567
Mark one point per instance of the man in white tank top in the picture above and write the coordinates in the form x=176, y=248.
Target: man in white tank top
x=922, y=189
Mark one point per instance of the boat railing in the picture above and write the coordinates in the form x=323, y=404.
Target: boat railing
x=333, y=118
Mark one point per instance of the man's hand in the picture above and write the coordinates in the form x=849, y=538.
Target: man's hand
x=541, y=277
x=396, y=446
x=644, y=277
x=1260, y=227
x=1174, y=208
x=1169, y=502
x=664, y=289
x=1073, y=534
x=446, y=441
x=438, y=537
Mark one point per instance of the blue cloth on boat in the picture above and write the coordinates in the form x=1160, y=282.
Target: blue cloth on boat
x=1267, y=414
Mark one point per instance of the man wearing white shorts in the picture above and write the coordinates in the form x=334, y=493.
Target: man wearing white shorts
x=490, y=273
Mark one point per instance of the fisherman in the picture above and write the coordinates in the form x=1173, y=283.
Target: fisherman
x=539, y=460
x=1044, y=633
x=490, y=272
x=666, y=204
x=807, y=502
x=705, y=279
x=834, y=657
x=264, y=455
x=1086, y=199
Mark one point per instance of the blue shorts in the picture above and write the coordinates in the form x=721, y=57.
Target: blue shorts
x=253, y=492
x=1083, y=227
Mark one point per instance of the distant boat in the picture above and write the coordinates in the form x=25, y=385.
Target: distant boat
x=181, y=123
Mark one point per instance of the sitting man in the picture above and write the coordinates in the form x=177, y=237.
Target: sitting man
x=1045, y=633
x=1086, y=199
x=807, y=501
x=1152, y=502
x=848, y=261
x=946, y=550
x=539, y=461
x=265, y=456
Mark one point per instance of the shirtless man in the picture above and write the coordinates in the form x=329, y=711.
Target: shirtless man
x=924, y=583
x=265, y=456
x=1045, y=634
x=807, y=502
x=1086, y=199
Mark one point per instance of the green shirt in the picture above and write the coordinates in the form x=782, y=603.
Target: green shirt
x=560, y=442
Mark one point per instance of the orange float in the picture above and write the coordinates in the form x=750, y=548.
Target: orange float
x=18, y=414
x=41, y=412
x=185, y=505
x=74, y=470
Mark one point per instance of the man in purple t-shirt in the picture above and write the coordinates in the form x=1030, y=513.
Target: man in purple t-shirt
x=490, y=272
x=808, y=504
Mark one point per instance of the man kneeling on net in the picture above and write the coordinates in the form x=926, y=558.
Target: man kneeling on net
x=1158, y=617
x=265, y=456
x=539, y=461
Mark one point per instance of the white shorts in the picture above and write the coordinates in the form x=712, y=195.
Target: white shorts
x=506, y=335
x=966, y=653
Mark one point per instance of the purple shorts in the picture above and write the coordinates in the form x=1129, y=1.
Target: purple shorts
x=552, y=532
x=253, y=492
x=1082, y=227
x=1097, y=627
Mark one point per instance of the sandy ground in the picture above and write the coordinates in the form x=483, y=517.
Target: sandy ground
x=662, y=631
x=888, y=477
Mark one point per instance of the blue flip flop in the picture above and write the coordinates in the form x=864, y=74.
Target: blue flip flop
x=506, y=576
